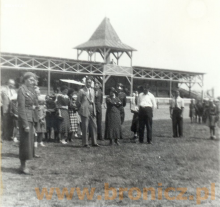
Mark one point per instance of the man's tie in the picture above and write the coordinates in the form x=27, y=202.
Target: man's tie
x=90, y=96
x=10, y=94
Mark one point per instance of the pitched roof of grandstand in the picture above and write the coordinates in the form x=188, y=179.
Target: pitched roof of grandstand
x=105, y=36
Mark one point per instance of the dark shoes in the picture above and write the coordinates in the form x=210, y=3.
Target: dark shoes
x=100, y=139
x=96, y=145
x=150, y=142
x=178, y=136
x=116, y=142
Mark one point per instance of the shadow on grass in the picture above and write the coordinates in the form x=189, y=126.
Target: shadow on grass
x=10, y=170
x=9, y=155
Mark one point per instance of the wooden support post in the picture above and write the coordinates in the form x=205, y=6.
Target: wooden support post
x=88, y=55
x=103, y=85
x=131, y=90
x=101, y=53
x=114, y=55
x=48, y=81
x=190, y=86
x=79, y=52
x=170, y=88
x=190, y=90
x=202, y=95
x=105, y=55
x=131, y=57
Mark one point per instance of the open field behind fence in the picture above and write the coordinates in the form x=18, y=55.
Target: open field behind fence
x=191, y=162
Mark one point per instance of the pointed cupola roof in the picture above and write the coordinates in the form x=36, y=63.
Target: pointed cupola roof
x=105, y=37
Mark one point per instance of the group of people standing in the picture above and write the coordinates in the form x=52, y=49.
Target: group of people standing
x=206, y=112
x=70, y=112
x=64, y=113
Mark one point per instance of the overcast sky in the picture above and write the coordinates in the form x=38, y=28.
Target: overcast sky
x=172, y=34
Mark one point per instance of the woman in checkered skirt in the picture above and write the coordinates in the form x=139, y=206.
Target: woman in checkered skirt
x=74, y=116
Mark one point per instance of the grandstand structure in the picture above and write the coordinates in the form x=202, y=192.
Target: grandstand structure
x=106, y=43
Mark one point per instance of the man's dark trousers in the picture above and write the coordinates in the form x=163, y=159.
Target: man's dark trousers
x=177, y=122
x=7, y=126
x=145, y=118
x=99, y=124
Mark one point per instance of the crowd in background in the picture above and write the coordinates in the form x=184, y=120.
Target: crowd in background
x=28, y=117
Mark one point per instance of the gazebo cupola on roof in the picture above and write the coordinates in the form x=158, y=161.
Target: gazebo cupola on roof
x=105, y=41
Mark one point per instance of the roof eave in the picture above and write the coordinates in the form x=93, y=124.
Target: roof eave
x=169, y=70
x=104, y=46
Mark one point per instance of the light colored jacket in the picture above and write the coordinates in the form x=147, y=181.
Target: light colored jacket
x=83, y=101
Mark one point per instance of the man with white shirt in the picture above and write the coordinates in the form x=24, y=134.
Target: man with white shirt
x=146, y=104
x=176, y=114
x=7, y=92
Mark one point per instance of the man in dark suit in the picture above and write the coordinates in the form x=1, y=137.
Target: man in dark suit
x=98, y=104
x=7, y=92
x=87, y=110
x=176, y=114
x=123, y=99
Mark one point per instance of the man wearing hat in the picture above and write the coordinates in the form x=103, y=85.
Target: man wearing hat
x=146, y=104
x=176, y=114
x=122, y=97
x=7, y=92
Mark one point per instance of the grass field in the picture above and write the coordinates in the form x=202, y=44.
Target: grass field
x=191, y=162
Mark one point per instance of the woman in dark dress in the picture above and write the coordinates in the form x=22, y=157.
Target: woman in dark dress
x=113, y=119
x=27, y=102
x=64, y=122
x=192, y=110
x=51, y=118
x=135, y=120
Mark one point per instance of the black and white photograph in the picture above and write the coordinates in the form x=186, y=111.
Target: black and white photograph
x=109, y=103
